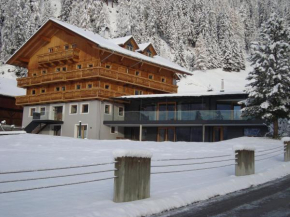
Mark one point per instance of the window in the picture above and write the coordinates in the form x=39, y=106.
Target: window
x=138, y=92
x=90, y=86
x=63, y=88
x=121, y=111
x=107, y=109
x=85, y=108
x=78, y=86
x=66, y=47
x=42, y=111
x=64, y=69
x=34, y=74
x=108, y=66
x=32, y=110
x=149, y=54
x=42, y=90
x=129, y=46
x=73, y=46
x=43, y=72
x=107, y=86
x=33, y=92
x=50, y=50
x=137, y=73
x=57, y=89
x=79, y=66
x=114, y=130
x=150, y=76
x=73, y=109
x=90, y=65
x=57, y=69
x=163, y=80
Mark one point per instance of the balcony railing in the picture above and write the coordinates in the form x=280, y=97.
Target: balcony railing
x=97, y=72
x=71, y=54
x=194, y=115
x=47, y=115
x=93, y=93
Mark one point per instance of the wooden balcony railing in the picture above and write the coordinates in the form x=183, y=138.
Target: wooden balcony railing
x=97, y=72
x=65, y=55
x=93, y=93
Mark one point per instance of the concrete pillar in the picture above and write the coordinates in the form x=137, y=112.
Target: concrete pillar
x=287, y=151
x=140, y=133
x=132, y=180
x=245, y=162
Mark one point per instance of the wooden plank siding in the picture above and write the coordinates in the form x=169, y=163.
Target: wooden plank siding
x=51, y=69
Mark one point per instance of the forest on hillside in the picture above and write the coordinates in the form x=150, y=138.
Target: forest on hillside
x=197, y=34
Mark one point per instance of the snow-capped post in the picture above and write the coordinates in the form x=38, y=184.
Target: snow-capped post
x=132, y=175
x=245, y=160
x=286, y=141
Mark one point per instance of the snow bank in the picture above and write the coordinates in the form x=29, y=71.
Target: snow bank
x=132, y=153
x=244, y=147
x=285, y=139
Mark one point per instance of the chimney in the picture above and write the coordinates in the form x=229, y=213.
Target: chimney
x=222, y=86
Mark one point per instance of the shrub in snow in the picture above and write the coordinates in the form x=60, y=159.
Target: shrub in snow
x=270, y=80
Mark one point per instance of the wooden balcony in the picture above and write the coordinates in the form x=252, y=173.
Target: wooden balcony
x=75, y=95
x=70, y=55
x=97, y=72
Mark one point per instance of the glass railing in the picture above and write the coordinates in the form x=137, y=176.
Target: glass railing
x=194, y=115
x=47, y=115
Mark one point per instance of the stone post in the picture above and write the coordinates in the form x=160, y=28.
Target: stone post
x=245, y=162
x=287, y=151
x=132, y=177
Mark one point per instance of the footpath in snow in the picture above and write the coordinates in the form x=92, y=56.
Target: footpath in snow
x=29, y=152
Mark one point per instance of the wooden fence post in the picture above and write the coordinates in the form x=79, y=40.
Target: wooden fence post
x=245, y=162
x=132, y=177
x=286, y=151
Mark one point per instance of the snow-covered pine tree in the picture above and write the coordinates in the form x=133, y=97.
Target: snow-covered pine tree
x=201, y=54
x=66, y=7
x=269, y=90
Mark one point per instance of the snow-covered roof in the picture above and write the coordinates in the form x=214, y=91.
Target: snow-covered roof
x=192, y=94
x=108, y=44
x=121, y=41
x=143, y=46
x=8, y=87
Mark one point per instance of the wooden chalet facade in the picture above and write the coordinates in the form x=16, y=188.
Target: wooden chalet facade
x=67, y=64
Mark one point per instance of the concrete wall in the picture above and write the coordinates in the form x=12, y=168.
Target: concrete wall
x=93, y=119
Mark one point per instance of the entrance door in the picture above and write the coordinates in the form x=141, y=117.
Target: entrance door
x=218, y=133
x=84, y=131
x=56, y=130
x=58, y=113
x=166, y=134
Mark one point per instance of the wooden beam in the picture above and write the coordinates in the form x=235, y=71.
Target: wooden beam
x=44, y=38
x=22, y=59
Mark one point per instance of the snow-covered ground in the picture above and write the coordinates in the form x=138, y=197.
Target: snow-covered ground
x=94, y=199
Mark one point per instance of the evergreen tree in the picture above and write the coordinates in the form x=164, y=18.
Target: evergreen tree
x=270, y=80
x=201, y=54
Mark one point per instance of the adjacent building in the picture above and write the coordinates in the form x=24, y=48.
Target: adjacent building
x=82, y=85
x=9, y=111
